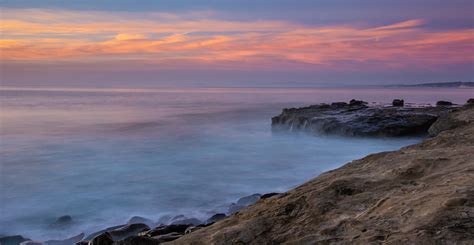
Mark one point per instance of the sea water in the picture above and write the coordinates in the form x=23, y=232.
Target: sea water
x=105, y=155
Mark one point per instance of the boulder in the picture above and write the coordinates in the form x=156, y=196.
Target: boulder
x=398, y=102
x=168, y=237
x=68, y=241
x=233, y=208
x=128, y=231
x=215, y=218
x=165, y=229
x=138, y=240
x=62, y=221
x=138, y=219
x=102, y=239
x=470, y=101
x=187, y=221
x=12, y=240
x=90, y=236
x=268, y=195
x=354, y=102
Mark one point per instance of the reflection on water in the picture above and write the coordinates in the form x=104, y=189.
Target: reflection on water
x=103, y=156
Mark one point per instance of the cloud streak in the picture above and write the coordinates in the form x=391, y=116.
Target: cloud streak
x=38, y=35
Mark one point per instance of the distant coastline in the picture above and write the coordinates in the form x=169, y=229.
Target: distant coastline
x=437, y=85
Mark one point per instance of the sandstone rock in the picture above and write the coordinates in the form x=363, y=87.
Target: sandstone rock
x=168, y=237
x=398, y=102
x=420, y=194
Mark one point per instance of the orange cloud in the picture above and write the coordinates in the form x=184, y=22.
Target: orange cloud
x=40, y=35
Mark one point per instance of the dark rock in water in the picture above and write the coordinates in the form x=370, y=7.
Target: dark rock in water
x=354, y=102
x=168, y=237
x=12, y=240
x=82, y=243
x=128, y=231
x=68, y=241
x=248, y=200
x=215, y=218
x=190, y=221
x=470, y=101
x=62, y=221
x=398, y=102
x=165, y=219
x=346, y=120
x=268, y=195
x=233, y=208
x=165, y=229
x=138, y=240
x=102, y=239
x=138, y=219
x=443, y=103
x=89, y=237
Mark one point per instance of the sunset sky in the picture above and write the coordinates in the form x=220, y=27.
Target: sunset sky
x=235, y=43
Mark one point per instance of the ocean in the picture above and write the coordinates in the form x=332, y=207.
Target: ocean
x=105, y=155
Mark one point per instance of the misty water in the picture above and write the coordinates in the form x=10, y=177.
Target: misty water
x=105, y=155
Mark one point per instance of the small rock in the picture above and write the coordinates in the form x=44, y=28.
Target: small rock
x=338, y=104
x=268, y=195
x=102, y=239
x=12, y=240
x=249, y=200
x=398, y=102
x=215, y=218
x=443, y=103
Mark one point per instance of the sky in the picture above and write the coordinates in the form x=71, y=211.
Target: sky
x=244, y=43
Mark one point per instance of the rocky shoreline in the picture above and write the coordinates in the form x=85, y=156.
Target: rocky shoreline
x=421, y=193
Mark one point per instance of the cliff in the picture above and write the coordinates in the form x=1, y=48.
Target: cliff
x=421, y=194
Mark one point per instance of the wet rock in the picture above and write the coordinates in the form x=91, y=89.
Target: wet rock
x=128, y=231
x=31, y=243
x=343, y=119
x=89, y=237
x=165, y=229
x=444, y=103
x=138, y=240
x=248, y=200
x=68, y=241
x=215, y=218
x=398, y=102
x=168, y=237
x=165, y=219
x=138, y=219
x=12, y=240
x=268, y=195
x=102, y=239
x=470, y=101
x=190, y=221
x=82, y=243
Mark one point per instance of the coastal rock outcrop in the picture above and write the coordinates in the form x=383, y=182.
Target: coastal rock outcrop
x=358, y=119
x=420, y=194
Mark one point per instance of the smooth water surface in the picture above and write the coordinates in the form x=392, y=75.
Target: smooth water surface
x=105, y=155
